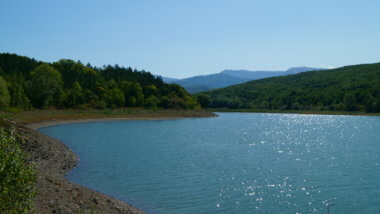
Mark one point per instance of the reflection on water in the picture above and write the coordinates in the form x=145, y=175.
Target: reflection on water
x=235, y=163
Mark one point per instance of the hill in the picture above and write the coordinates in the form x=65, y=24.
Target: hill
x=211, y=81
x=231, y=77
x=27, y=83
x=350, y=88
x=297, y=70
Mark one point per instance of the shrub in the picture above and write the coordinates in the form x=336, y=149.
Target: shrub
x=17, y=177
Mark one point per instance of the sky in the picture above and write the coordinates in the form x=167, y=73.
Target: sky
x=183, y=38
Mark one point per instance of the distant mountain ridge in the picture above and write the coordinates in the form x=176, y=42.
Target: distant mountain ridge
x=349, y=88
x=297, y=70
x=169, y=79
x=211, y=81
x=230, y=77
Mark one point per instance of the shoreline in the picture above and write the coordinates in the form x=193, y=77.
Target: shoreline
x=43, y=124
x=53, y=160
x=341, y=113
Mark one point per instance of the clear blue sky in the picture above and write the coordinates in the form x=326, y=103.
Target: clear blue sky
x=179, y=38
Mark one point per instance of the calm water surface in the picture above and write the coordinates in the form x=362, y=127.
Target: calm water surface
x=235, y=163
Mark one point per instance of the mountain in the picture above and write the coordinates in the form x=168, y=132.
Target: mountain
x=167, y=79
x=350, y=88
x=211, y=81
x=251, y=75
x=297, y=70
x=230, y=77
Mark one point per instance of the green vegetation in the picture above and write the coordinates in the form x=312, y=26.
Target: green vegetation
x=350, y=88
x=45, y=86
x=17, y=177
x=26, y=83
x=204, y=100
x=4, y=94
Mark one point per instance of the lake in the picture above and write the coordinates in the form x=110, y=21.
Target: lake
x=234, y=163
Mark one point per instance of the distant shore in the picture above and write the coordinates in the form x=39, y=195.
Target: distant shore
x=352, y=113
x=53, y=159
x=37, y=116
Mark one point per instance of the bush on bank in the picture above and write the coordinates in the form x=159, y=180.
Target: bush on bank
x=17, y=176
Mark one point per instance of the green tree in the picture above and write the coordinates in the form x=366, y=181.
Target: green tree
x=150, y=90
x=349, y=102
x=90, y=98
x=4, y=94
x=101, y=89
x=75, y=95
x=133, y=93
x=178, y=90
x=151, y=102
x=115, y=98
x=72, y=71
x=376, y=105
x=19, y=99
x=190, y=102
x=45, y=86
x=204, y=100
x=369, y=104
x=164, y=102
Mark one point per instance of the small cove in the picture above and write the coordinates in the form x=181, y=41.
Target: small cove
x=235, y=163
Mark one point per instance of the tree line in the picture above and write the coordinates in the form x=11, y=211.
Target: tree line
x=350, y=88
x=26, y=83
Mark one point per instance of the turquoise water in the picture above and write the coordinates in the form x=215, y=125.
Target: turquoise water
x=234, y=163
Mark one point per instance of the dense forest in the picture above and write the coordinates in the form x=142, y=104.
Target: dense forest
x=26, y=83
x=350, y=88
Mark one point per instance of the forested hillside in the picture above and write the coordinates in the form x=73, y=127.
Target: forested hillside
x=27, y=83
x=350, y=88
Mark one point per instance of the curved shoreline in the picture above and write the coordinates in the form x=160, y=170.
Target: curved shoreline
x=53, y=160
x=42, y=124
